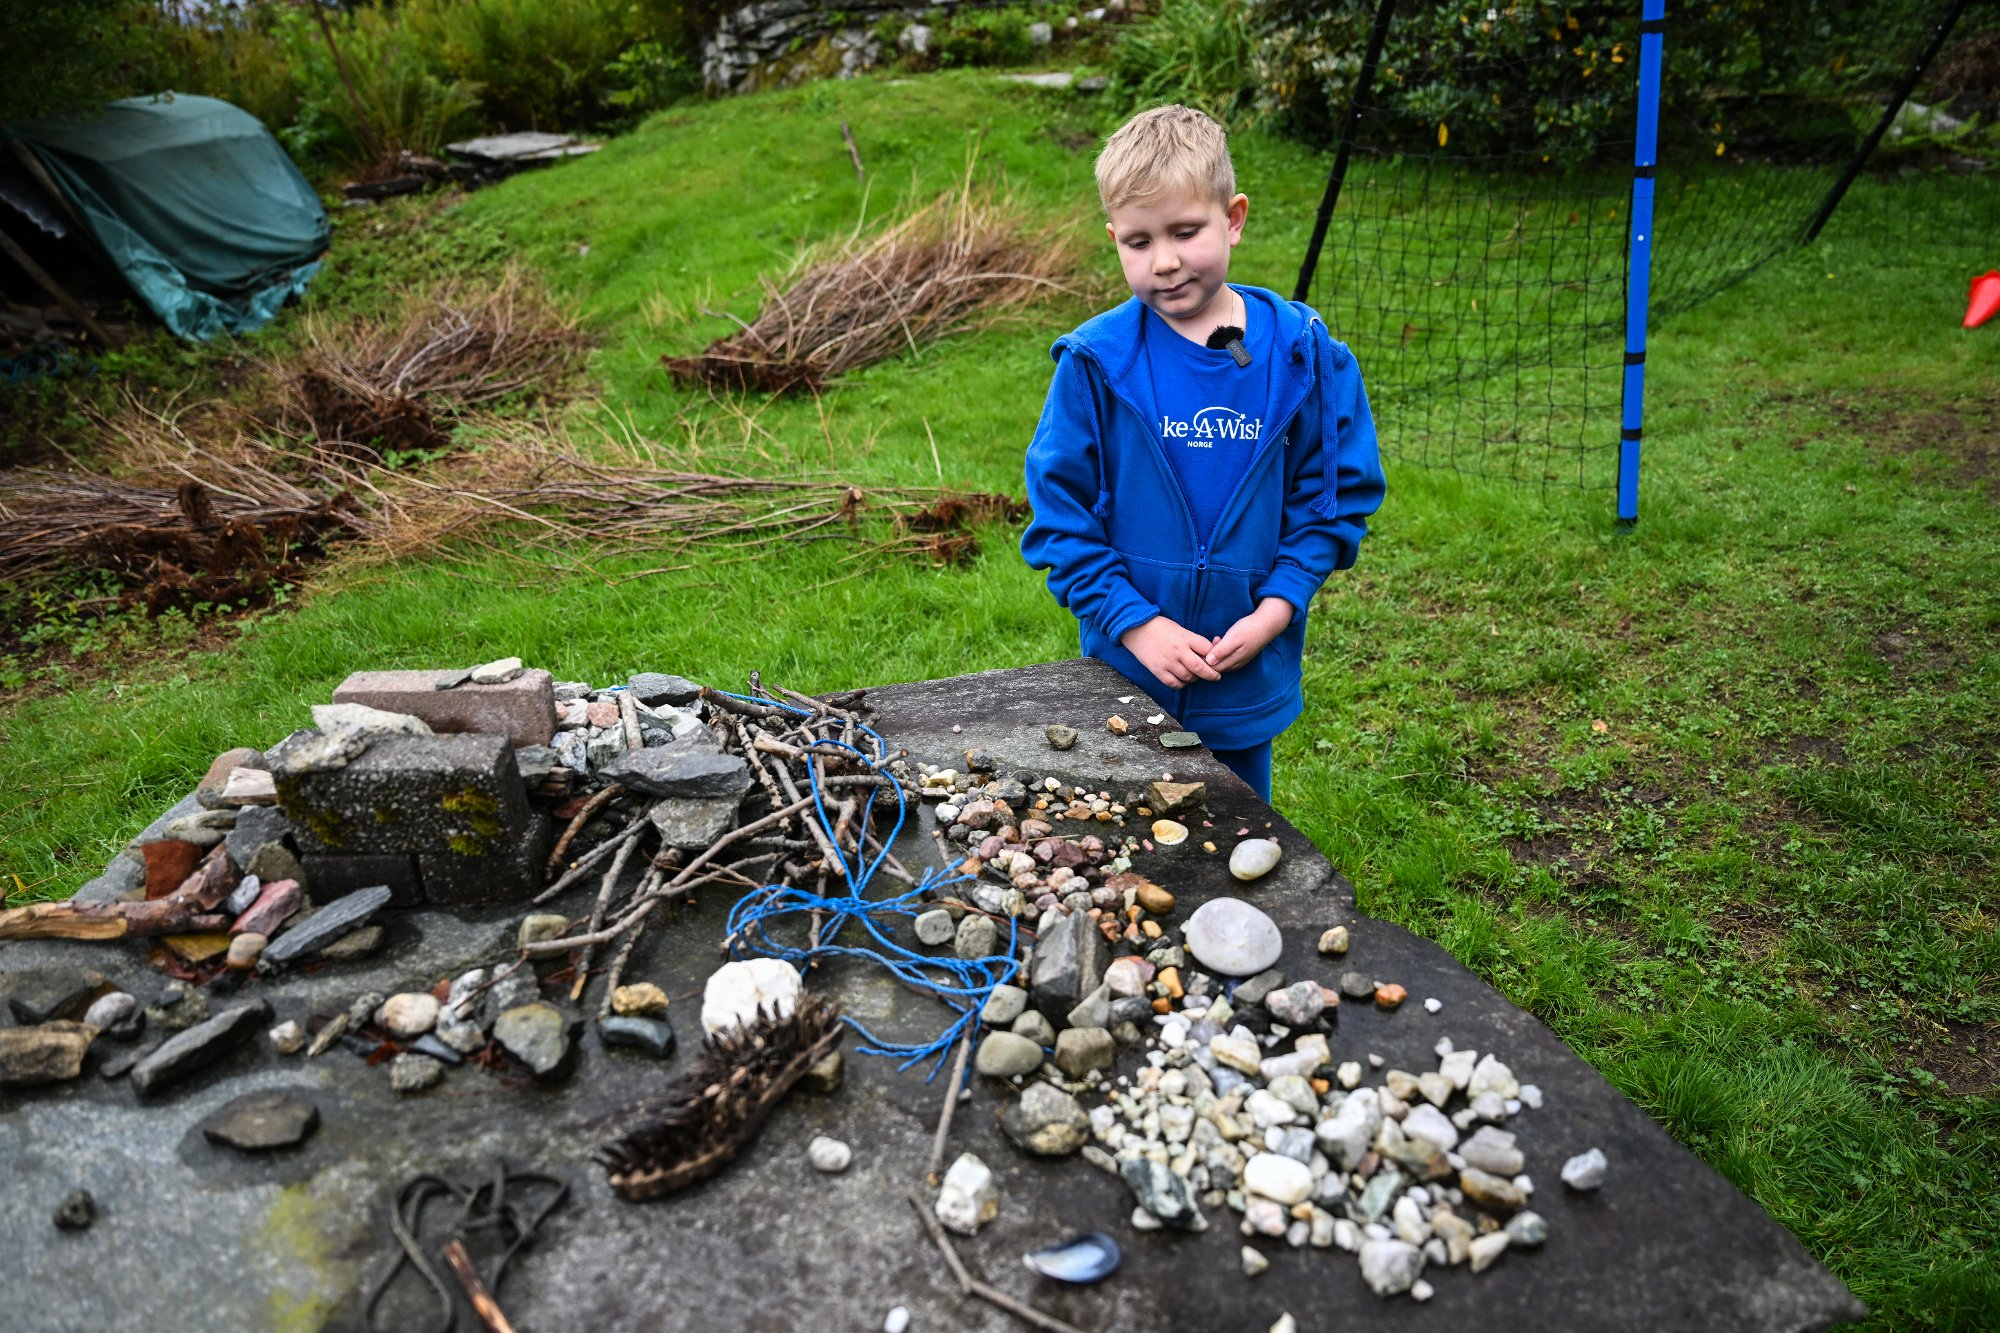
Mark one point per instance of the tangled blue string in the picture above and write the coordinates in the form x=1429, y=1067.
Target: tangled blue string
x=963, y=984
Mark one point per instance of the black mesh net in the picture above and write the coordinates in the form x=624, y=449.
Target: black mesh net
x=1477, y=257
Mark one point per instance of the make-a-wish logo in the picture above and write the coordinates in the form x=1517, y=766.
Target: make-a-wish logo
x=1212, y=424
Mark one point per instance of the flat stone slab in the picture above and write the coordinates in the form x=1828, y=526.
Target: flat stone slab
x=1666, y=1243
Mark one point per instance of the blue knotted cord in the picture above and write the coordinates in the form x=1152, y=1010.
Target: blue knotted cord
x=963, y=984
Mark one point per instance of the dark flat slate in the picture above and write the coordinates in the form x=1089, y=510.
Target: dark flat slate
x=772, y=1244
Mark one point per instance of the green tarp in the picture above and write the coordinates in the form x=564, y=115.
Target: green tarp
x=194, y=202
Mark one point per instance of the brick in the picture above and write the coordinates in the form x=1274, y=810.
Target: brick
x=523, y=709
x=412, y=794
x=511, y=875
x=330, y=876
x=168, y=862
x=209, y=790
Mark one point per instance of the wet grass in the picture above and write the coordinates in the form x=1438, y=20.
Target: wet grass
x=1716, y=799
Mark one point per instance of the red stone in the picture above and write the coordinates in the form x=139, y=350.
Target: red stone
x=168, y=862
x=523, y=709
x=602, y=713
x=217, y=776
x=274, y=905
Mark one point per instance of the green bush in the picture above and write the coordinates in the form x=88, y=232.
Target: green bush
x=539, y=64
x=1200, y=53
x=986, y=37
x=1553, y=81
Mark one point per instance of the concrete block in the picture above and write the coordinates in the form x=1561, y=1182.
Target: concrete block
x=523, y=709
x=512, y=875
x=412, y=794
x=330, y=876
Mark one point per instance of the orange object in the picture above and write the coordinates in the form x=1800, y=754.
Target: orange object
x=1985, y=302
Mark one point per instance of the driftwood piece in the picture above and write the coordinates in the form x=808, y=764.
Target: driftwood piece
x=476, y=1291
x=108, y=921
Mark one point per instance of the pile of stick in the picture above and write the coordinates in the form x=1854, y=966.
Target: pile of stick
x=374, y=388
x=960, y=261
x=778, y=839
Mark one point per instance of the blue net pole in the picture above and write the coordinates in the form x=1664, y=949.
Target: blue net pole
x=1639, y=264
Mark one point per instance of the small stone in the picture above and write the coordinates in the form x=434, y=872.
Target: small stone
x=1172, y=798
x=76, y=1212
x=1390, y=1266
x=1433, y=1004
x=1061, y=737
x=655, y=1036
x=1253, y=858
x=1046, y=1120
x=1485, y=1249
x=968, y=1199
x=1493, y=1151
x=1253, y=991
x=1334, y=942
x=1169, y=832
x=1007, y=1055
x=1357, y=985
x=1485, y=1188
x=1526, y=1229
x=109, y=1012
x=1161, y=1193
x=1296, y=1005
x=288, y=1038
x=639, y=1000
x=1278, y=1178
x=245, y=950
x=1253, y=1262
x=978, y=937
x=1128, y=977
x=410, y=1072
x=1230, y=936
x=460, y=1024
x=200, y=1045
x=1153, y=898
x=655, y=688
x=1003, y=1005
x=497, y=672
x=1427, y=1122
x=1421, y=1290
x=829, y=1155
x=46, y=1053
x=1035, y=1027
x=410, y=1014
x=737, y=992
x=1284, y=1323
x=538, y=1035
x=1348, y=1075
x=241, y=897
x=1080, y=1050
x=1389, y=995
x=540, y=927
x=898, y=1319
x=260, y=1121
x=935, y=926
x=1117, y=725
x=1585, y=1171
x=825, y=1075
x=343, y=915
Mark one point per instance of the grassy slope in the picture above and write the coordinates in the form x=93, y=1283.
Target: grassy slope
x=1760, y=899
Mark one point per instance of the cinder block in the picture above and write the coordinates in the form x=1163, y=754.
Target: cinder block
x=332, y=876
x=523, y=710
x=513, y=875
x=412, y=794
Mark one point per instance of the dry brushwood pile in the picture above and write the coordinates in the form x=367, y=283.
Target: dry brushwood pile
x=959, y=262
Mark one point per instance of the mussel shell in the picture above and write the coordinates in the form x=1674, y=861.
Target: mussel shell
x=1091, y=1257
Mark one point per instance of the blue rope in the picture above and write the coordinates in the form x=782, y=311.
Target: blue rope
x=963, y=984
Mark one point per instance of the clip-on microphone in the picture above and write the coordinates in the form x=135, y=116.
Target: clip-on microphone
x=1229, y=339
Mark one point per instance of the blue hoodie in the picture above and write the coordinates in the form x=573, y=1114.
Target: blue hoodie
x=1113, y=528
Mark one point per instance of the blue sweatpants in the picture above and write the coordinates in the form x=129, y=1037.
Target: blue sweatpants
x=1252, y=765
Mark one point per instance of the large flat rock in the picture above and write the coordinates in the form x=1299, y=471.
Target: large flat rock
x=190, y=1232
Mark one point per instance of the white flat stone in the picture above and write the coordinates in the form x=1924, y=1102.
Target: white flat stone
x=1229, y=936
x=736, y=991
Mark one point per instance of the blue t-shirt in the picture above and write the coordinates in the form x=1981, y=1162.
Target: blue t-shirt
x=1211, y=409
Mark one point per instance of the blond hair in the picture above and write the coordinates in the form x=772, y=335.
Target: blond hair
x=1168, y=150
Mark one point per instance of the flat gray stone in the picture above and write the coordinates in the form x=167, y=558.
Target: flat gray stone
x=682, y=769
x=694, y=823
x=261, y=1121
x=200, y=1045
x=655, y=688
x=654, y=1036
x=539, y=1036
x=329, y=923
x=1068, y=965
x=1006, y=1055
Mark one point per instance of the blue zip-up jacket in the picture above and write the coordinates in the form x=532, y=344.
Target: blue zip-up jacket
x=1113, y=528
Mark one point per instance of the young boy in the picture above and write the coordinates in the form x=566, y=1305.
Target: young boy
x=1205, y=457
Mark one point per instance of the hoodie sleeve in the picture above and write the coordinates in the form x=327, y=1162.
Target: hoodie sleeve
x=1066, y=491
x=1334, y=482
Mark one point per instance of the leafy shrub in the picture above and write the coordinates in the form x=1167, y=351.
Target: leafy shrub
x=1200, y=53
x=1553, y=79
x=539, y=64
x=986, y=37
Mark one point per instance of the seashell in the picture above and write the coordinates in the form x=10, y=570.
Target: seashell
x=1168, y=833
x=1091, y=1257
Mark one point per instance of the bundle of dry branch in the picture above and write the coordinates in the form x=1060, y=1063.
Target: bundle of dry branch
x=962, y=260
x=369, y=388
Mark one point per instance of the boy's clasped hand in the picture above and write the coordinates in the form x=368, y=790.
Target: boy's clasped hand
x=1177, y=655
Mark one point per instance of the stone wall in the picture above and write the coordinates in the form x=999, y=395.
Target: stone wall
x=773, y=43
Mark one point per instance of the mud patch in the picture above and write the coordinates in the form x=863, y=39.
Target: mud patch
x=1965, y=1056
x=1963, y=437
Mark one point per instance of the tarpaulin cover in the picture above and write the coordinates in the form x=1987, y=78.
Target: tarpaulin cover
x=194, y=202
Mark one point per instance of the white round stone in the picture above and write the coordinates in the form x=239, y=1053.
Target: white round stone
x=411, y=1014
x=828, y=1155
x=898, y=1320
x=1254, y=858
x=1229, y=936
x=1279, y=1179
x=737, y=991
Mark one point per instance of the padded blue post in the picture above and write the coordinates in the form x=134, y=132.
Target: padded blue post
x=1639, y=262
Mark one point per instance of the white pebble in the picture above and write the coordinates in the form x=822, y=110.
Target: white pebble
x=1433, y=1004
x=1285, y=1324
x=1253, y=1262
x=1156, y=719
x=1585, y=1171
x=1374, y=1060
x=1531, y=1096
x=1421, y=1290
x=828, y=1154
x=898, y=1320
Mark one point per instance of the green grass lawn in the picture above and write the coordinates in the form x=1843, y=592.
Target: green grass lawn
x=1716, y=800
